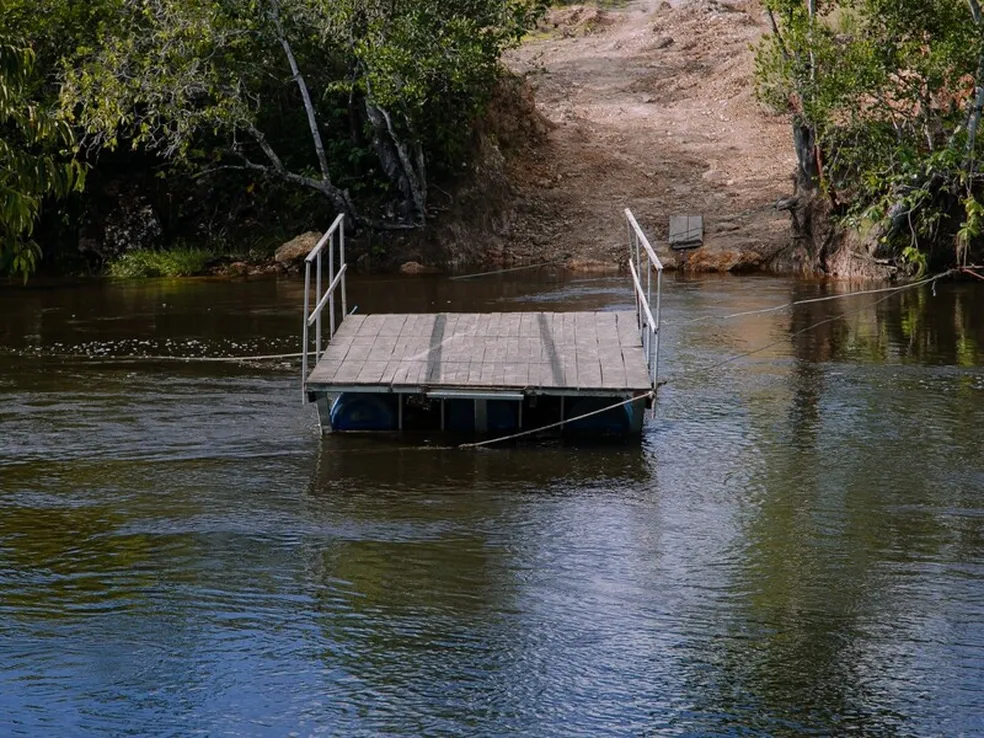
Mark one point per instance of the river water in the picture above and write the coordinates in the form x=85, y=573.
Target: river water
x=795, y=547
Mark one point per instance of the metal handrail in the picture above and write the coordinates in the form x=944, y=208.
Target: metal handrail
x=335, y=279
x=635, y=228
x=643, y=259
x=338, y=223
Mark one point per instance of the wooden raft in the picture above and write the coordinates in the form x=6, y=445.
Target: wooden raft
x=591, y=353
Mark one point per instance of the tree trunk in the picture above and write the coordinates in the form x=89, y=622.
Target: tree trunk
x=405, y=168
x=339, y=198
x=974, y=115
x=804, y=141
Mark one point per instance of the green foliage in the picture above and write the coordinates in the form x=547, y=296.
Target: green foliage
x=278, y=88
x=888, y=89
x=181, y=262
x=436, y=64
x=164, y=70
x=912, y=255
x=211, y=82
x=35, y=159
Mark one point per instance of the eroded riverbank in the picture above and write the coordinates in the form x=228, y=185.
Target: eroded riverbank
x=653, y=109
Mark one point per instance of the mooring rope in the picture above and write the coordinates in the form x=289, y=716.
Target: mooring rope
x=738, y=357
x=507, y=270
x=264, y=357
x=826, y=298
x=131, y=358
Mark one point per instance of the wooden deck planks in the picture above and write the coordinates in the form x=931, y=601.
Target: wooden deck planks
x=580, y=351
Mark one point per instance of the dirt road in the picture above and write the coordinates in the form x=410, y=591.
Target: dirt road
x=652, y=108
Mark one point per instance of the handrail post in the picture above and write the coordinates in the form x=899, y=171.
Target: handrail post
x=646, y=343
x=306, y=330
x=659, y=325
x=649, y=280
x=341, y=257
x=317, y=322
x=635, y=243
x=331, y=280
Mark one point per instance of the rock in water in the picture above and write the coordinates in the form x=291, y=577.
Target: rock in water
x=415, y=267
x=297, y=248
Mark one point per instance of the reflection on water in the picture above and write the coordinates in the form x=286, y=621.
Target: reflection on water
x=919, y=325
x=795, y=548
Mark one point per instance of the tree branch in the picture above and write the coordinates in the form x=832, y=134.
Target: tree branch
x=414, y=172
x=312, y=119
x=775, y=32
x=339, y=198
x=223, y=168
x=974, y=115
x=975, y=11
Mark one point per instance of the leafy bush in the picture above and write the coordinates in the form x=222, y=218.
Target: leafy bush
x=35, y=158
x=320, y=94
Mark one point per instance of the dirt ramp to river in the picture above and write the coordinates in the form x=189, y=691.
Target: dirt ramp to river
x=651, y=107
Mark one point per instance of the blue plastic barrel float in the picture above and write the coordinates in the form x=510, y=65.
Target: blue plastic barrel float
x=364, y=411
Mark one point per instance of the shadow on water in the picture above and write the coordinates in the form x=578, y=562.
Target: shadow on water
x=438, y=574
x=403, y=464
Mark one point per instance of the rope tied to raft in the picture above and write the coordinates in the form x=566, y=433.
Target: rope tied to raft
x=889, y=292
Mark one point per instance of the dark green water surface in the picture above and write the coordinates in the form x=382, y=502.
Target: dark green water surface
x=796, y=547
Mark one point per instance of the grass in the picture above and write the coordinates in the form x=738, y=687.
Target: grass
x=181, y=262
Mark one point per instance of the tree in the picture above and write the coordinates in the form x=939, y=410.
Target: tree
x=36, y=159
x=886, y=97
x=223, y=85
x=425, y=70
